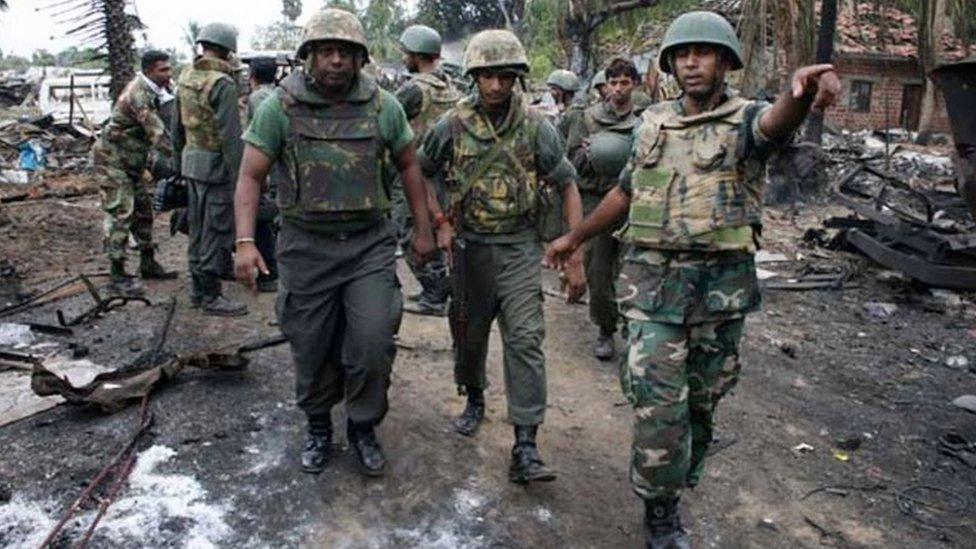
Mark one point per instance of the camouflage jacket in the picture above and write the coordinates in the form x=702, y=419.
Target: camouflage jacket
x=493, y=174
x=425, y=98
x=336, y=154
x=207, y=133
x=134, y=130
x=598, y=118
x=696, y=181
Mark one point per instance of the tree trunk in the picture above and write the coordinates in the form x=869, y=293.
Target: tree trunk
x=118, y=36
x=825, y=52
x=931, y=27
x=580, y=22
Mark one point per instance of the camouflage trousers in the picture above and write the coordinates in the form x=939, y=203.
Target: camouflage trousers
x=127, y=204
x=675, y=375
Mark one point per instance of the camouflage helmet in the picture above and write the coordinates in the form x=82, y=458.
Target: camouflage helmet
x=700, y=27
x=332, y=24
x=609, y=152
x=494, y=49
x=421, y=39
x=564, y=80
x=219, y=34
x=599, y=79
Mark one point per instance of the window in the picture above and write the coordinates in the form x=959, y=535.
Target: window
x=860, y=96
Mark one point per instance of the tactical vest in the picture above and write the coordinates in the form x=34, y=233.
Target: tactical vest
x=600, y=184
x=691, y=187
x=196, y=113
x=492, y=181
x=332, y=155
x=439, y=96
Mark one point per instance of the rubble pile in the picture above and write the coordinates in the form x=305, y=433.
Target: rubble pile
x=29, y=149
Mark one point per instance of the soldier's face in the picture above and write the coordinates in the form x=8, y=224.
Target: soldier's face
x=495, y=87
x=160, y=73
x=699, y=69
x=619, y=89
x=558, y=95
x=410, y=60
x=335, y=64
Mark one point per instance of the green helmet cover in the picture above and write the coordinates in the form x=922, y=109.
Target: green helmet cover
x=495, y=49
x=700, y=27
x=219, y=34
x=609, y=152
x=333, y=24
x=421, y=39
x=564, y=80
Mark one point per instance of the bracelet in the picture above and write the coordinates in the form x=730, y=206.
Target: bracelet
x=244, y=240
x=440, y=220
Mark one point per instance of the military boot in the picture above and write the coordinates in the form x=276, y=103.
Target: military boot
x=526, y=464
x=662, y=525
x=318, y=441
x=215, y=304
x=424, y=306
x=362, y=437
x=470, y=419
x=150, y=269
x=604, y=348
x=196, y=291
x=121, y=284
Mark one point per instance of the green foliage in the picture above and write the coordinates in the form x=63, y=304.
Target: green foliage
x=541, y=37
x=43, y=57
x=457, y=18
x=14, y=62
x=282, y=35
x=383, y=20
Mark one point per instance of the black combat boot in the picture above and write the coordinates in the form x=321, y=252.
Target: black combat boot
x=196, y=291
x=150, y=269
x=662, y=525
x=526, y=465
x=470, y=419
x=362, y=438
x=267, y=284
x=214, y=303
x=318, y=441
x=604, y=348
x=121, y=284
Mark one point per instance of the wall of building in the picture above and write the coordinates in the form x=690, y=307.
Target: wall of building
x=888, y=77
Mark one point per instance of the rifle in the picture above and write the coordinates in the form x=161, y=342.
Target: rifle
x=459, y=316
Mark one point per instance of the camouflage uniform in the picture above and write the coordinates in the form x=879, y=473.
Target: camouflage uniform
x=339, y=302
x=696, y=207
x=207, y=149
x=602, y=259
x=121, y=158
x=494, y=200
x=424, y=98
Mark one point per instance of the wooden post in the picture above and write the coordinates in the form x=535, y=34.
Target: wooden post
x=825, y=51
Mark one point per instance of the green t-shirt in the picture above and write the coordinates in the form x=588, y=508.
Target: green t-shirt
x=270, y=127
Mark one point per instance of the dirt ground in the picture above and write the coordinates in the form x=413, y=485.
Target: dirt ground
x=870, y=396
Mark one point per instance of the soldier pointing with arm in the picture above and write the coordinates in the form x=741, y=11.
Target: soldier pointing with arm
x=692, y=196
x=495, y=153
x=331, y=127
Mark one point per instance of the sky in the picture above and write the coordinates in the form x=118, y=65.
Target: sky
x=24, y=29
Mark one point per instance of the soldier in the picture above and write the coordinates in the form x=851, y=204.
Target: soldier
x=425, y=97
x=598, y=87
x=122, y=157
x=331, y=127
x=599, y=144
x=563, y=85
x=693, y=189
x=262, y=72
x=497, y=155
x=207, y=149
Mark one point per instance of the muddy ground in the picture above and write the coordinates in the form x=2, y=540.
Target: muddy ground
x=870, y=396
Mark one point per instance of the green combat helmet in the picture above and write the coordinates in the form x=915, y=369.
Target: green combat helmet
x=700, y=27
x=421, y=39
x=609, y=152
x=564, y=80
x=333, y=24
x=219, y=34
x=599, y=79
x=495, y=48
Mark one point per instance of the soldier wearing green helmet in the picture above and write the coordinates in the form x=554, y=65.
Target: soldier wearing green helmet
x=331, y=129
x=207, y=151
x=598, y=86
x=563, y=86
x=692, y=197
x=425, y=97
x=598, y=145
x=494, y=157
